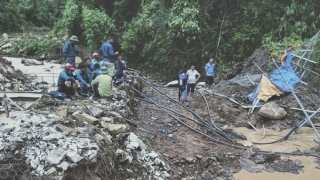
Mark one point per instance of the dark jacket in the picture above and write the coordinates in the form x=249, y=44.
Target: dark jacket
x=83, y=78
x=68, y=50
x=120, y=67
x=63, y=77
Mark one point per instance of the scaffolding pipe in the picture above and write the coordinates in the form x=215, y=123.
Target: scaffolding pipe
x=297, y=99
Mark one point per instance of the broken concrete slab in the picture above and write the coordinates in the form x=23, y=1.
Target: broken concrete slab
x=85, y=117
x=116, y=128
x=272, y=111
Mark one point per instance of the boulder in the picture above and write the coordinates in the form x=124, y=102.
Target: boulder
x=272, y=111
x=5, y=37
x=85, y=117
x=31, y=62
x=233, y=132
x=116, y=128
x=244, y=81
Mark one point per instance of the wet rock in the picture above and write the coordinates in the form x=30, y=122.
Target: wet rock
x=116, y=128
x=262, y=158
x=234, y=132
x=206, y=175
x=106, y=139
x=272, y=111
x=29, y=62
x=56, y=156
x=85, y=117
x=96, y=112
x=62, y=111
x=249, y=165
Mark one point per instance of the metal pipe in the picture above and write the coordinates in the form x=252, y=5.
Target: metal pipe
x=297, y=99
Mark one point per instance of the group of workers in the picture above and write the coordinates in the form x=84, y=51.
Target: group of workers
x=189, y=78
x=96, y=78
x=92, y=78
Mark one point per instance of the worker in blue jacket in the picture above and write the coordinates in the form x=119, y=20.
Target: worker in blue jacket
x=68, y=50
x=209, y=68
x=66, y=83
x=96, y=71
x=108, y=54
x=84, y=80
x=94, y=61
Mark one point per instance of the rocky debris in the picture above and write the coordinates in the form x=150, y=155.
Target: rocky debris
x=46, y=148
x=286, y=165
x=272, y=111
x=85, y=117
x=136, y=150
x=29, y=62
x=233, y=132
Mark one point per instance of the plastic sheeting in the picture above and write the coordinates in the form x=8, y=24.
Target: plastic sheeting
x=275, y=84
x=288, y=72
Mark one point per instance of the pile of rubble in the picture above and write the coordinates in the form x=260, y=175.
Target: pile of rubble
x=54, y=136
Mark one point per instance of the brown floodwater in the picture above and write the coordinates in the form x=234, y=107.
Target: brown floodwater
x=302, y=140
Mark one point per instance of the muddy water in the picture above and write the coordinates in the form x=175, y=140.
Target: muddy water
x=40, y=70
x=303, y=140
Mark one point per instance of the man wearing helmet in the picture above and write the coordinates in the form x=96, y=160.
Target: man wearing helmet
x=66, y=83
x=69, y=52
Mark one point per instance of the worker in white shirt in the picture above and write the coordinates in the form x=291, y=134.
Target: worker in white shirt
x=193, y=77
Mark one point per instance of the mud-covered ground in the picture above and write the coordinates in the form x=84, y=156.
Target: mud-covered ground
x=190, y=154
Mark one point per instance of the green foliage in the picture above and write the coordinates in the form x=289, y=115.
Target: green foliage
x=34, y=45
x=97, y=25
x=315, y=56
x=71, y=20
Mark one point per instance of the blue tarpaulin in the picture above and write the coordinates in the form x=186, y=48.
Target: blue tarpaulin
x=277, y=80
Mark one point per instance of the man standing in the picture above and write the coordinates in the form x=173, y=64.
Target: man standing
x=66, y=83
x=193, y=77
x=183, y=78
x=102, y=84
x=209, y=73
x=108, y=56
x=84, y=79
x=121, y=69
x=69, y=52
